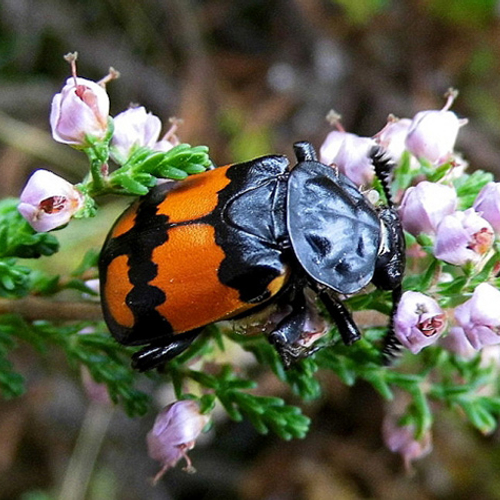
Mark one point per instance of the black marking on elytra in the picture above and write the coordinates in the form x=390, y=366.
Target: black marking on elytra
x=247, y=234
x=150, y=230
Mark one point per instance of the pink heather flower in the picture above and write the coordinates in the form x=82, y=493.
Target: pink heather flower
x=134, y=128
x=331, y=146
x=170, y=139
x=353, y=160
x=456, y=342
x=81, y=109
x=393, y=136
x=419, y=321
x=401, y=439
x=480, y=316
x=348, y=152
x=48, y=201
x=487, y=203
x=432, y=134
x=174, y=433
x=463, y=237
x=424, y=206
x=95, y=391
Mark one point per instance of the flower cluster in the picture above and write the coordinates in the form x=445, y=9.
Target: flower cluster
x=452, y=222
x=448, y=313
x=428, y=209
x=80, y=118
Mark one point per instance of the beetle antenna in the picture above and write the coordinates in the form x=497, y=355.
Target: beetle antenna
x=392, y=346
x=304, y=151
x=384, y=166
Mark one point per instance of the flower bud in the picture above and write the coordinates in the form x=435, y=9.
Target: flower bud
x=393, y=136
x=480, y=316
x=48, y=201
x=432, y=135
x=174, y=433
x=463, y=237
x=487, y=203
x=81, y=109
x=134, y=128
x=424, y=206
x=419, y=321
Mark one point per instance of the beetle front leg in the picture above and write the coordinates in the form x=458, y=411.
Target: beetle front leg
x=341, y=316
x=289, y=331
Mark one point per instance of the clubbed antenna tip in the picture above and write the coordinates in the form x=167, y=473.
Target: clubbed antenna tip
x=384, y=166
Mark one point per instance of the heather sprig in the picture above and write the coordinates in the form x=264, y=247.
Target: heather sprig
x=447, y=321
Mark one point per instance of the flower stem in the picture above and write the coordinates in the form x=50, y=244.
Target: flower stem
x=82, y=461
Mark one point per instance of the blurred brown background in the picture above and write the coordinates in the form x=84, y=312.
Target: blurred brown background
x=248, y=77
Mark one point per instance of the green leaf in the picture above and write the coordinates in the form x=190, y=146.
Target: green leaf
x=479, y=416
x=14, y=279
x=272, y=413
x=436, y=174
x=130, y=185
x=422, y=282
x=205, y=380
x=11, y=383
x=301, y=379
x=18, y=238
x=377, y=378
x=468, y=187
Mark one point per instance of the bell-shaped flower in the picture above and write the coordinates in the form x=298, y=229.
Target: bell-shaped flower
x=487, y=203
x=432, y=134
x=331, y=146
x=48, y=201
x=424, y=206
x=353, y=159
x=170, y=139
x=134, y=128
x=419, y=321
x=457, y=342
x=393, y=137
x=174, y=433
x=97, y=392
x=401, y=439
x=463, y=237
x=81, y=109
x=479, y=317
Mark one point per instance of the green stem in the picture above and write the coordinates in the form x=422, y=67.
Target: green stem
x=82, y=461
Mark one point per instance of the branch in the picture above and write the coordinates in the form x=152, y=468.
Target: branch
x=33, y=308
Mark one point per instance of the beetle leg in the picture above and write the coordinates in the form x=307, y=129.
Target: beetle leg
x=341, y=316
x=155, y=355
x=390, y=263
x=285, y=337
